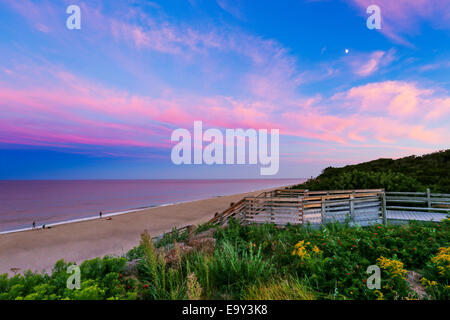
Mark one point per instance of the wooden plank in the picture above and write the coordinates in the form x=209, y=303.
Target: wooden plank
x=368, y=211
x=368, y=214
x=367, y=217
x=405, y=193
x=440, y=199
x=342, y=196
x=277, y=216
x=447, y=195
x=441, y=203
x=336, y=209
x=367, y=205
x=419, y=216
x=417, y=208
x=406, y=199
x=275, y=221
x=367, y=223
x=355, y=201
x=344, y=191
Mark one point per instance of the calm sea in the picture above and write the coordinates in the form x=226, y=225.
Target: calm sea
x=47, y=202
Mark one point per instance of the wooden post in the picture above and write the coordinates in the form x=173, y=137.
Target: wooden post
x=303, y=211
x=429, y=197
x=272, y=218
x=249, y=210
x=300, y=211
x=244, y=212
x=323, y=209
x=352, y=208
x=383, y=195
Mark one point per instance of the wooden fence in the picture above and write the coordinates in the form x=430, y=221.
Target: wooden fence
x=424, y=206
x=282, y=207
x=362, y=207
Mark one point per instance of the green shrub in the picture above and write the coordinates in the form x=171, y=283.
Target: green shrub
x=357, y=179
x=233, y=267
x=405, y=174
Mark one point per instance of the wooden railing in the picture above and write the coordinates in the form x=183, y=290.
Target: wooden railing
x=422, y=201
x=362, y=207
x=316, y=207
x=422, y=206
x=236, y=210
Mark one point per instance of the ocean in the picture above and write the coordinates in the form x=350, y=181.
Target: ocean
x=58, y=201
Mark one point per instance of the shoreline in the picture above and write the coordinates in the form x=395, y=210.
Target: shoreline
x=39, y=249
x=126, y=211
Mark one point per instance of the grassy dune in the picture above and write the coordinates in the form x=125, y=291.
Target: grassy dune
x=260, y=262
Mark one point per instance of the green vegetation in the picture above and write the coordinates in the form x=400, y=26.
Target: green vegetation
x=260, y=262
x=405, y=174
x=100, y=280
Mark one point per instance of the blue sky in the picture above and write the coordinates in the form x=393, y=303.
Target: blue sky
x=101, y=102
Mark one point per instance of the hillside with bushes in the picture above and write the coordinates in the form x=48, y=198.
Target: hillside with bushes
x=413, y=173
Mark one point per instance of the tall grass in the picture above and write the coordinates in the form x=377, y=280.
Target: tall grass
x=161, y=282
x=234, y=267
x=290, y=288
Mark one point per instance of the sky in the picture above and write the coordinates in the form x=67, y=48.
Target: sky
x=101, y=102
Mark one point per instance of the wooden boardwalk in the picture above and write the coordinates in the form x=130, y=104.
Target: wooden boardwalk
x=362, y=207
x=417, y=216
x=358, y=207
x=286, y=206
x=418, y=206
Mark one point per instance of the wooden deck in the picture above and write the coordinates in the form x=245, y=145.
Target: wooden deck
x=417, y=216
x=358, y=207
x=287, y=206
x=419, y=206
x=362, y=207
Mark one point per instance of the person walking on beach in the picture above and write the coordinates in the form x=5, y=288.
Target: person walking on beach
x=100, y=214
x=34, y=224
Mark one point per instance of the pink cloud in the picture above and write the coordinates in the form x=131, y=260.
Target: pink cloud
x=396, y=98
x=364, y=65
x=78, y=111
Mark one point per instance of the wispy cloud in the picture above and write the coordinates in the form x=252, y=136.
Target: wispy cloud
x=233, y=7
x=365, y=65
x=401, y=18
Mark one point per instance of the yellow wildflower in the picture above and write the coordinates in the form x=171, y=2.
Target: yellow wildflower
x=301, y=249
x=427, y=282
x=315, y=249
x=442, y=261
x=393, y=266
x=380, y=295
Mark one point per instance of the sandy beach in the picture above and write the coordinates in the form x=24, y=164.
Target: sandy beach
x=39, y=249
